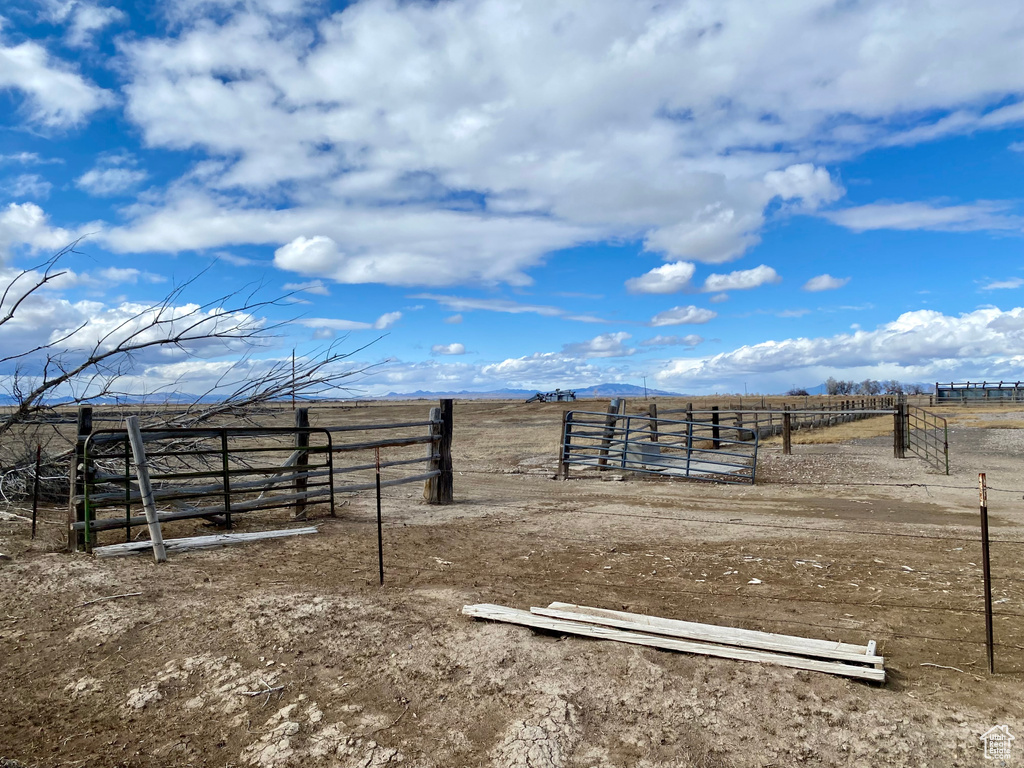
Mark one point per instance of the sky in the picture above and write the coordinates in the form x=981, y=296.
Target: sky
x=707, y=196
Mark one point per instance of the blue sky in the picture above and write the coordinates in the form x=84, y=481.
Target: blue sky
x=717, y=196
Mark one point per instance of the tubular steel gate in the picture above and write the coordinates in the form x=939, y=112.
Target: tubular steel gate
x=690, y=449
x=927, y=436
x=212, y=473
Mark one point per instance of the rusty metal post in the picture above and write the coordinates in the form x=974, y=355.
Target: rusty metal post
x=986, y=572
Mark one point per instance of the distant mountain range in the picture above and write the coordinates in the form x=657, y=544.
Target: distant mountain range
x=596, y=391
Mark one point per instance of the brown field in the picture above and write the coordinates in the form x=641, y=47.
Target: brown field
x=288, y=653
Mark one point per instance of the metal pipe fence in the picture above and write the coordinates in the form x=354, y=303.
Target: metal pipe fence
x=687, y=449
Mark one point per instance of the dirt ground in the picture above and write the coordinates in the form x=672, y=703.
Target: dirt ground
x=288, y=653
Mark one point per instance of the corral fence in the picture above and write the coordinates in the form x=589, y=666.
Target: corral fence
x=651, y=445
x=979, y=393
x=218, y=473
x=924, y=434
x=768, y=422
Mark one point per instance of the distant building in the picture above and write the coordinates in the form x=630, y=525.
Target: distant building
x=979, y=392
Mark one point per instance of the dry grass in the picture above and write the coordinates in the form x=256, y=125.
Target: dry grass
x=853, y=430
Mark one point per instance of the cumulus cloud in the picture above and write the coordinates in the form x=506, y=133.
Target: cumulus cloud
x=689, y=315
x=668, y=278
x=825, y=283
x=741, y=280
x=27, y=224
x=315, y=124
x=813, y=185
x=916, y=345
x=605, y=345
x=715, y=234
x=55, y=96
x=112, y=175
x=448, y=349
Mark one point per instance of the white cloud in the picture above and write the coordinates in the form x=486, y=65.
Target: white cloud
x=668, y=278
x=682, y=315
x=83, y=19
x=315, y=287
x=825, y=283
x=605, y=345
x=1017, y=146
x=718, y=298
x=715, y=234
x=112, y=175
x=911, y=216
x=28, y=185
x=28, y=158
x=915, y=346
x=382, y=323
x=129, y=275
x=448, y=349
x=741, y=280
x=461, y=304
x=1011, y=283
x=416, y=140
x=27, y=224
x=56, y=97
x=814, y=186
x=690, y=340
x=453, y=319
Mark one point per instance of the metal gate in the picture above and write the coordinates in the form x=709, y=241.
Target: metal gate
x=927, y=436
x=690, y=449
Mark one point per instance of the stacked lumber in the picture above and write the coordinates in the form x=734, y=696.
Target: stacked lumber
x=844, y=659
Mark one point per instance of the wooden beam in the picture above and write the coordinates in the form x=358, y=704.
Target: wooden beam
x=200, y=542
x=747, y=638
x=527, y=619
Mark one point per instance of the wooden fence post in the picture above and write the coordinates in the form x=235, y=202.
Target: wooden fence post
x=898, y=450
x=652, y=425
x=610, y=420
x=430, y=487
x=146, y=489
x=79, y=474
x=787, y=436
x=302, y=460
x=446, y=480
x=715, y=431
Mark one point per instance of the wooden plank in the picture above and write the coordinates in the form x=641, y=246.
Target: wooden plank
x=145, y=489
x=200, y=542
x=747, y=638
x=527, y=619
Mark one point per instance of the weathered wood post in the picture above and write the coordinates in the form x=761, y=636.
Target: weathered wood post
x=301, y=461
x=652, y=425
x=145, y=488
x=431, y=486
x=77, y=512
x=716, y=435
x=787, y=436
x=610, y=420
x=446, y=480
